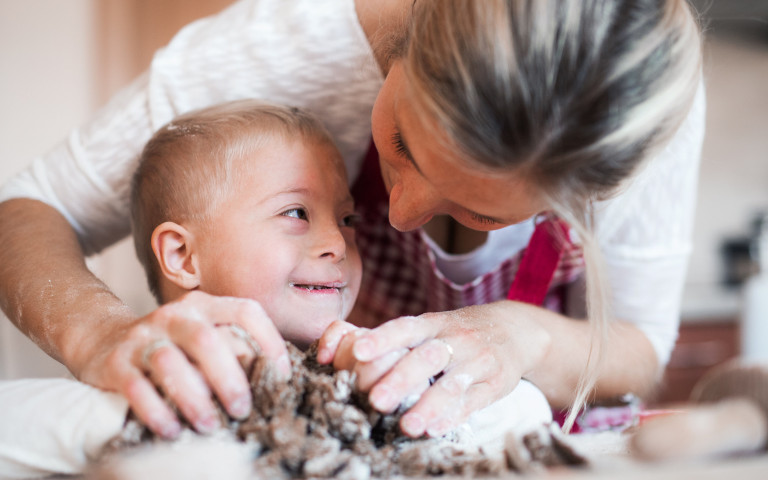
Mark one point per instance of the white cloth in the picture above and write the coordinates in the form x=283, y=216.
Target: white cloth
x=314, y=54
x=54, y=426
x=522, y=411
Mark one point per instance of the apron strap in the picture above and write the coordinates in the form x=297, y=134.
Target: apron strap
x=539, y=263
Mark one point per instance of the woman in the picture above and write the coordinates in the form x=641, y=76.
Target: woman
x=498, y=116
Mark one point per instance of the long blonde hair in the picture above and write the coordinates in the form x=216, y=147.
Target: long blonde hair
x=575, y=94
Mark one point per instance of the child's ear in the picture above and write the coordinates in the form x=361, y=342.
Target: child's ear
x=175, y=252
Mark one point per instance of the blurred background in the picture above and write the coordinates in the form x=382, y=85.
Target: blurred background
x=61, y=60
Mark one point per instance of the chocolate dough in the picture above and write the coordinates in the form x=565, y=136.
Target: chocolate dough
x=317, y=425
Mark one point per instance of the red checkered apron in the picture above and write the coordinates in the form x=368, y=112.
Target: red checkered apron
x=400, y=275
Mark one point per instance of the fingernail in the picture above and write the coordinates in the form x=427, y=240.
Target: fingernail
x=170, y=430
x=284, y=366
x=241, y=407
x=322, y=354
x=383, y=399
x=439, y=428
x=363, y=350
x=412, y=424
x=207, y=425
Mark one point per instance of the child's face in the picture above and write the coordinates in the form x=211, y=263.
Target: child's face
x=284, y=237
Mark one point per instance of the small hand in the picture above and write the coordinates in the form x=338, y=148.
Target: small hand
x=178, y=350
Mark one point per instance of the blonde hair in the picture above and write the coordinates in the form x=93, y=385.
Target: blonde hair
x=573, y=94
x=190, y=164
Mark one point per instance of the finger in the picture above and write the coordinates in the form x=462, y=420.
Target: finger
x=184, y=385
x=409, y=375
x=369, y=373
x=403, y=332
x=252, y=317
x=240, y=343
x=330, y=339
x=446, y=404
x=212, y=355
x=344, y=359
x=146, y=403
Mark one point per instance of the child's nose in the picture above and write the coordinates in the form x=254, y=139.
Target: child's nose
x=330, y=243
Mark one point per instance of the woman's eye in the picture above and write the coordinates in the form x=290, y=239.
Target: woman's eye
x=400, y=148
x=482, y=219
x=299, y=213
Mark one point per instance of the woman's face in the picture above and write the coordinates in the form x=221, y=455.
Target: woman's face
x=425, y=179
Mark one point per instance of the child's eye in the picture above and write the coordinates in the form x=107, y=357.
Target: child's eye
x=299, y=213
x=351, y=220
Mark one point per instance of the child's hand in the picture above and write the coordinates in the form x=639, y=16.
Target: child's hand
x=177, y=350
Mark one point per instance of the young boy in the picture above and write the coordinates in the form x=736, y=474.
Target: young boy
x=249, y=200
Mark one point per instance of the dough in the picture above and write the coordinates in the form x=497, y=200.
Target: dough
x=316, y=425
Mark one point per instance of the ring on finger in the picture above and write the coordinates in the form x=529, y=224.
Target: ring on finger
x=242, y=334
x=450, y=351
x=151, y=348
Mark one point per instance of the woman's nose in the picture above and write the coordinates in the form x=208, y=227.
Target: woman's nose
x=411, y=207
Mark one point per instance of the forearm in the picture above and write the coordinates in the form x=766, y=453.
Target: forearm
x=628, y=362
x=46, y=288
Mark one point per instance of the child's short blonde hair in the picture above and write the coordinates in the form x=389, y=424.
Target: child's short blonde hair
x=189, y=165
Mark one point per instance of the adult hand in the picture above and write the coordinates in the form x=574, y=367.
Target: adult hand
x=177, y=350
x=337, y=344
x=480, y=354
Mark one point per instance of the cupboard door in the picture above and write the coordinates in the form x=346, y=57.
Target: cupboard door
x=699, y=347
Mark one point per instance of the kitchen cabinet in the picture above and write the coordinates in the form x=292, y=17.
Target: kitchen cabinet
x=702, y=344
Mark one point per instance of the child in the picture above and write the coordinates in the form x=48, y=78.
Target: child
x=249, y=200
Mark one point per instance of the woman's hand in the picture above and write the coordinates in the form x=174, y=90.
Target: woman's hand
x=179, y=351
x=480, y=354
x=337, y=345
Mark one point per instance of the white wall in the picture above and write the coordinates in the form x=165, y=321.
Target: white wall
x=46, y=57
x=734, y=171
x=50, y=82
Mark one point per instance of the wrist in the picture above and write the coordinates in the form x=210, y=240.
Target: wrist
x=88, y=331
x=537, y=337
x=529, y=335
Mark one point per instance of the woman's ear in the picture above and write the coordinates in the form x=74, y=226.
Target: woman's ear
x=175, y=252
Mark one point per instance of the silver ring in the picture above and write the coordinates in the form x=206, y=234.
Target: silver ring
x=450, y=352
x=151, y=348
x=242, y=334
